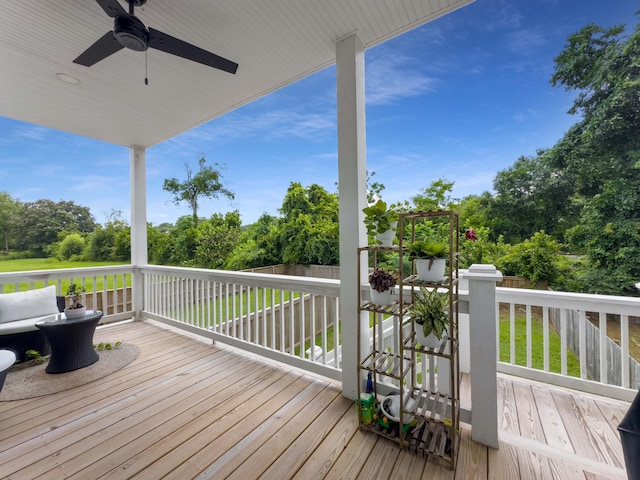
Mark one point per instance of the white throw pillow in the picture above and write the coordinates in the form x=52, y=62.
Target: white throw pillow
x=32, y=303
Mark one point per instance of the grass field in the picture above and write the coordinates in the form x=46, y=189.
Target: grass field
x=537, y=352
x=30, y=264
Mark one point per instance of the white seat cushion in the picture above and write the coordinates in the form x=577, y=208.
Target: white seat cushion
x=24, y=325
x=28, y=304
x=7, y=358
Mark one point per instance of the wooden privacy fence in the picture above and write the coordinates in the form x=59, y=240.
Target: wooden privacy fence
x=613, y=351
x=108, y=301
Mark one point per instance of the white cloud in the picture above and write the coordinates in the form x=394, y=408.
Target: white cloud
x=32, y=132
x=390, y=78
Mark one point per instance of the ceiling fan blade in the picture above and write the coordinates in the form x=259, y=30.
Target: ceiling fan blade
x=105, y=46
x=112, y=8
x=175, y=46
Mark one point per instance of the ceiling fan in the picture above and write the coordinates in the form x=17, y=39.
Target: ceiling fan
x=128, y=31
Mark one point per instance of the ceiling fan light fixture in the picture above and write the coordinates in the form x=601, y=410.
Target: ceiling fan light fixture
x=131, y=33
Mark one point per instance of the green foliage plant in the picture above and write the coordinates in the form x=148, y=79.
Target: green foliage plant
x=72, y=246
x=381, y=280
x=378, y=218
x=107, y=345
x=33, y=355
x=430, y=310
x=427, y=249
x=76, y=291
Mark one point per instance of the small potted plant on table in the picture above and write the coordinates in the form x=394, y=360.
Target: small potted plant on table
x=76, y=308
x=381, y=283
x=430, y=313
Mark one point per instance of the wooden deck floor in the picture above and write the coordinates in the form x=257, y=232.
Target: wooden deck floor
x=186, y=409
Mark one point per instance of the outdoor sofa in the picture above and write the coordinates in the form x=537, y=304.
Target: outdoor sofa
x=19, y=313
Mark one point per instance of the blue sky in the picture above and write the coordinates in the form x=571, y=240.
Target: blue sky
x=460, y=98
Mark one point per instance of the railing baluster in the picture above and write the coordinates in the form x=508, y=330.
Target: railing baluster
x=545, y=337
x=512, y=333
x=312, y=328
x=582, y=343
x=603, y=347
x=337, y=346
x=529, y=340
x=324, y=329
x=283, y=339
x=264, y=309
x=563, y=341
x=302, y=324
x=273, y=343
x=624, y=351
x=292, y=330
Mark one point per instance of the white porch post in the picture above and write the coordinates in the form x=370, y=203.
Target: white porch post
x=137, y=166
x=352, y=198
x=484, y=381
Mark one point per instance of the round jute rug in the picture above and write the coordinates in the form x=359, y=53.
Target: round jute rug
x=32, y=381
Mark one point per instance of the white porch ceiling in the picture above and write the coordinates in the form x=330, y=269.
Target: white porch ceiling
x=275, y=42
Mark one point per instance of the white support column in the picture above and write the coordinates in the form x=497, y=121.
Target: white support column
x=353, y=198
x=484, y=381
x=139, y=256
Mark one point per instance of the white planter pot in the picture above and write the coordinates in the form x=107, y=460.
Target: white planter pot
x=75, y=312
x=381, y=298
x=430, y=341
x=431, y=270
x=386, y=238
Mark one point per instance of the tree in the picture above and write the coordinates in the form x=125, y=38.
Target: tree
x=9, y=217
x=257, y=245
x=601, y=153
x=436, y=196
x=532, y=195
x=217, y=237
x=536, y=259
x=71, y=247
x=111, y=242
x=308, y=231
x=204, y=183
x=41, y=221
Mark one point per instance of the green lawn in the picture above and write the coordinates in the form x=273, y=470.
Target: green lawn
x=537, y=354
x=29, y=264
x=47, y=264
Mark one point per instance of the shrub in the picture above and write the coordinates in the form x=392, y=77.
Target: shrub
x=71, y=247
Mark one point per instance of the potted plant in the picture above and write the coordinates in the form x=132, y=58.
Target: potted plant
x=430, y=259
x=76, y=308
x=430, y=310
x=381, y=283
x=381, y=221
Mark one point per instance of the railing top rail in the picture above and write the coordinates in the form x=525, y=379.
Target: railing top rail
x=574, y=301
x=321, y=286
x=61, y=273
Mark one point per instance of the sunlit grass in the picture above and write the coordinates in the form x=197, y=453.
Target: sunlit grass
x=537, y=348
x=30, y=264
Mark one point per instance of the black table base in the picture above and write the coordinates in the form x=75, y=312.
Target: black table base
x=71, y=342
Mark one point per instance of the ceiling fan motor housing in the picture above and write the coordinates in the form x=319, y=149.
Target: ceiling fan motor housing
x=131, y=33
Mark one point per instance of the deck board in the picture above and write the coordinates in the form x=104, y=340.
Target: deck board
x=186, y=408
x=529, y=421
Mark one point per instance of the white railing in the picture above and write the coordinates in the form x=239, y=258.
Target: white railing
x=108, y=288
x=589, y=333
x=288, y=318
x=277, y=316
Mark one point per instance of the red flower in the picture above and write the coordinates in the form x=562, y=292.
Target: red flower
x=471, y=235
